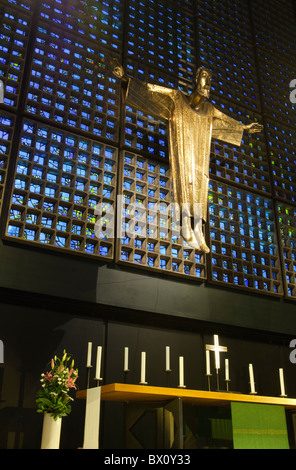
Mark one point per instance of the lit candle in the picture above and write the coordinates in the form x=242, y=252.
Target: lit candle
x=143, y=368
x=181, y=371
x=125, y=362
x=226, y=369
x=251, y=374
x=167, y=359
x=98, y=365
x=282, y=384
x=88, y=361
x=208, y=366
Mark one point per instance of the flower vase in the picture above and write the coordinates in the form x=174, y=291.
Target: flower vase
x=51, y=432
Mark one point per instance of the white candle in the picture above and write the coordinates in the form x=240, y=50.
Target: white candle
x=282, y=384
x=226, y=369
x=208, y=362
x=88, y=361
x=143, y=367
x=125, y=362
x=98, y=365
x=181, y=371
x=251, y=374
x=167, y=359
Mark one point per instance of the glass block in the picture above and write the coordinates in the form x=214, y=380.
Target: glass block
x=142, y=132
x=246, y=165
x=230, y=15
x=7, y=122
x=69, y=84
x=161, y=36
x=14, y=33
x=96, y=20
x=275, y=77
x=64, y=215
x=286, y=215
x=149, y=232
x=23, y=5
x=232, y=63
x=282, y=143
x=244, y=243
x=274, y=30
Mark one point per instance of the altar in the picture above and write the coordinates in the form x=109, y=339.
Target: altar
x=248, y=420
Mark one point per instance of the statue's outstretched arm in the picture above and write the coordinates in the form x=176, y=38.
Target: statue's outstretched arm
x=116, y=68
x=253, y=127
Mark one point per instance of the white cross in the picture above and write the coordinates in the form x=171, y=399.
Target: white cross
x=217, y=349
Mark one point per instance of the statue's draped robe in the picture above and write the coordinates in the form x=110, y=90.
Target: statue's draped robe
x=190, y=134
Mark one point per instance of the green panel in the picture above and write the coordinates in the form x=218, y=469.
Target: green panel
x=257, y=426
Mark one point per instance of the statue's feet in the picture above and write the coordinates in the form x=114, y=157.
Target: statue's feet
x=193, y=243
x=195, y=239
x=203, y=246
x=187, y=232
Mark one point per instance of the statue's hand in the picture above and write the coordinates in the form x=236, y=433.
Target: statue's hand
x=254, y=127
x=115, y=67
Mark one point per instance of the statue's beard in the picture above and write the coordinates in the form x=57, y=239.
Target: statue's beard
x=205, y=93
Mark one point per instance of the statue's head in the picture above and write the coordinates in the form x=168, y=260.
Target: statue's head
x=203, y=78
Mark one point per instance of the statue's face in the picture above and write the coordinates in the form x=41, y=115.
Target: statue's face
x=203, y=84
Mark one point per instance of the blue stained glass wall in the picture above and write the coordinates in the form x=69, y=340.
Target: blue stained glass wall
x=14, y=33
x=7, y=122
x=69, y=145
x=59, y=181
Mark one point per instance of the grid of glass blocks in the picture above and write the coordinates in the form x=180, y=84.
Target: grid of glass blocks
x=247, y=164
x=232, y=63
x=6, y=131
x=275, y=79
x=230, y=15
x=14, y=32
x=183, y=4
x=143, y=132
x=62, y=183
x=282, y=142
x=69, y=84
x=244, y=250
x=287, y=222
x=23, y=5
x=149, y=226
x=98, y=20
x=274, y=29
x=161, y=36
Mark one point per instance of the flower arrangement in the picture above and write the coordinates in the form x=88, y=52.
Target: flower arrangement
x=54, y=398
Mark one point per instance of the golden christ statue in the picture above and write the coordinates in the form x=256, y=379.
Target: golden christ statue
x=193, y=122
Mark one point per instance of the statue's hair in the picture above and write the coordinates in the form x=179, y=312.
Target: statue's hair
x=198, y=72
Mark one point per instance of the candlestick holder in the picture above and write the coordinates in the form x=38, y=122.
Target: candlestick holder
x=88, y=369
x=98, y=381
x=168, y=371
x=209, y=381
x=126, y=371
x=227, y=384
x=283, y=395
x=181, y=386
x=217, y=380
x=143, y=383
x=252, y=392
